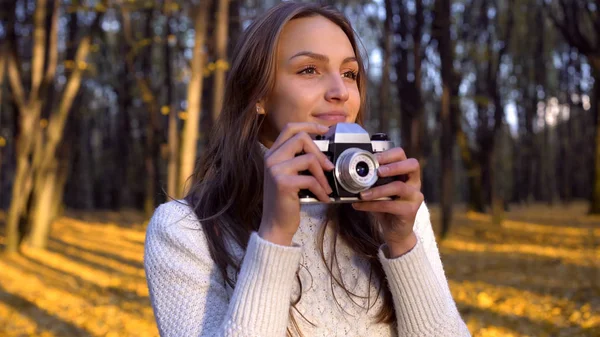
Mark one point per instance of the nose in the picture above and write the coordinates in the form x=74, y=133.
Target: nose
x=336, y=90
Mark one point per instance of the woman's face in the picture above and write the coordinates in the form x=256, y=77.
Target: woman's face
x=315, y=77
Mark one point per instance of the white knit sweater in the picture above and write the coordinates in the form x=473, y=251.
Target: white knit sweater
x=190, y=297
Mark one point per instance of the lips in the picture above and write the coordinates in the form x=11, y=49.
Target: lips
x=333, y=116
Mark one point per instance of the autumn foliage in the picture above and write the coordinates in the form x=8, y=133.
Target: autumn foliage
x=536, y=275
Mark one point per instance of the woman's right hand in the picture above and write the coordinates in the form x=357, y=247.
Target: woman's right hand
x=282, y=181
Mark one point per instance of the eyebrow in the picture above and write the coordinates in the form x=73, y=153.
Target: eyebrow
x=321, y=57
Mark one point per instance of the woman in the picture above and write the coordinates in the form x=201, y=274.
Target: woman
x=260, y=264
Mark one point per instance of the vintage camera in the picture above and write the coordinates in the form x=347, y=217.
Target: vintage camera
x=351, y=150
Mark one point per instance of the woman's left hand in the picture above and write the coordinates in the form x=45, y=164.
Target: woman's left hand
x=396, y=216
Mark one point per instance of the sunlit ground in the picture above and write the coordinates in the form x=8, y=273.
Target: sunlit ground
x=537, y=275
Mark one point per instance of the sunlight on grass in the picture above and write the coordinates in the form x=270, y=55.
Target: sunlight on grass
x=536, y=275
x=553, y=230
x=90, y=282
x=510, y=301
x=583, y=257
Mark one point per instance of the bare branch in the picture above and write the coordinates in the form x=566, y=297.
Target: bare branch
x=52, y=51
x=39, y=44
x=57, y=121
x=14, y=63
x=14, y=77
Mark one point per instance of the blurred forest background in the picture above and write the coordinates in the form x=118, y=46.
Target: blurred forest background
x=106, y=104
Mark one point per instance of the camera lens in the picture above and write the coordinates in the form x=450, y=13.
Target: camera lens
x=362, y=169
x=356, y=169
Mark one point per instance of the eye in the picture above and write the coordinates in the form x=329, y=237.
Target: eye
x=351, y=74
x=308, y=70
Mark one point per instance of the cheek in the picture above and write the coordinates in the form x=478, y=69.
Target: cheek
x=291, y=103
x=354, y=102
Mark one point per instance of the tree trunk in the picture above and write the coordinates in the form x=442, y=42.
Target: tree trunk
x=173, y=139
x=595, y=200
x=18, y=201
x=173, y=155
x=447, y=166
x=3, y=59
x=152, y=127
x=475, y=200
x=149, y=98
x=384, y=89
x=442, y=25
x=43, y=205
x=408, y=70
x=23, y=182
x=529, y=149
x=30, y=110
x=57, y=209
x=496, y=188
x=221, y=56
x=190, y=130
x=46, y=173
x=64, y=168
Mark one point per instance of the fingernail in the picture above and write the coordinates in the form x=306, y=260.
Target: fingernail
x=383, y=169
x=330, y=164
x=365, y=194
x=378, y=156
x=323, y=128
x=329, y=190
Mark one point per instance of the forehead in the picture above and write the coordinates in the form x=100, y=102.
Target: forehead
x=316, y=34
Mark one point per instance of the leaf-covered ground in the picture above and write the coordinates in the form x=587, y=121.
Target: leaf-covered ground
x=536, y=275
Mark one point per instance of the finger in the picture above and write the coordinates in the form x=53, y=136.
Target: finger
x=301, y=163
x=299, y=143
x=409, y=167
x=292, y=129
x=397, y=189
x=396, y=207
x=390, y=156
x=296, y=183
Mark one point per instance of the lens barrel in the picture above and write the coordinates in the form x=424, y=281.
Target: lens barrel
x=356, y=170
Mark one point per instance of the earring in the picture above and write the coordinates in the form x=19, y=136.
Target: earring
x=260, y=110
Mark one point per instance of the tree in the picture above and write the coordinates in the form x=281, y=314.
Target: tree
x=173, y=137
x=144, y=83
x=221, y=64
x=194, y=94
x=468, y=152
x=384, y=85
x=38, y=139
x=579, y=24
x=442, y=34
x=409, y=56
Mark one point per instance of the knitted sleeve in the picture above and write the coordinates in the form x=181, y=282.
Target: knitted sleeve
x=188, y=293
x=422, y=299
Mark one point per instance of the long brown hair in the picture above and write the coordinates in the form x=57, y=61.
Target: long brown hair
x=227, y=189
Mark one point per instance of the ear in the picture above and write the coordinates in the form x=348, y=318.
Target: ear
x=260, y=107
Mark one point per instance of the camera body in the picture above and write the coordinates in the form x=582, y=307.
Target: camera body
x=351, y=149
